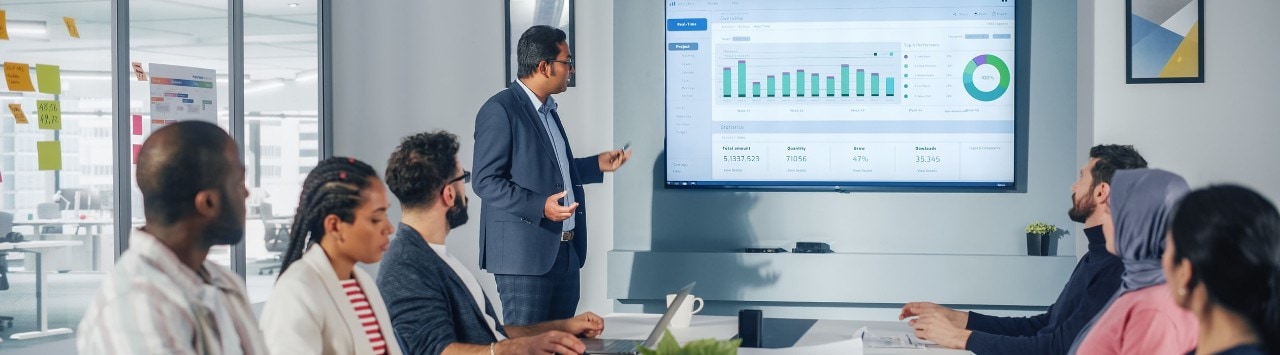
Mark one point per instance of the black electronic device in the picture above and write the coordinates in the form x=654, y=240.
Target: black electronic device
x=766, y=250
x=812, y=247
x=751, y=328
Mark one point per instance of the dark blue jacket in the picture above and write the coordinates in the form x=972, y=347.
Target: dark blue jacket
x=1095, y=279
x=429, y=304
x=515, y=171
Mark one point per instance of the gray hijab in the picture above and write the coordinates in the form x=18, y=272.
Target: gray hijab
x=1142, y=202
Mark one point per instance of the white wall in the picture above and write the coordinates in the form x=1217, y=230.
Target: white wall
x=650, y=217
x=1223, y=130
x=402, y=67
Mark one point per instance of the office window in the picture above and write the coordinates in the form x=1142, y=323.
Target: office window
x=58, y=202
x=282, y=101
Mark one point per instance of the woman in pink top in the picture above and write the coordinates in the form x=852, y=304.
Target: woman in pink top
x=1223, y=264
x=1142, y=318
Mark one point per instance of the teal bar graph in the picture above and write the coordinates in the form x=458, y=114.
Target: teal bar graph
x=800, y=83
x=768, y=86
x=831, y=85
x=888, y=86
x=742, y=78
x=875, y=84
x=814, y=79
x=755, y=89
x=862, y=82
x=728, y=82
x=786, y=84
x=844, y=80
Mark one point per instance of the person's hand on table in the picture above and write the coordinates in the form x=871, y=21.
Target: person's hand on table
x=957, y=318
x=935, y=327
x=587, y=325
x=552, y=342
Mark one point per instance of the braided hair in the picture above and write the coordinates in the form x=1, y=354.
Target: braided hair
x=332, y=188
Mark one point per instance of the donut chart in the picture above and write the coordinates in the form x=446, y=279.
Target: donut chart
x=999, y=65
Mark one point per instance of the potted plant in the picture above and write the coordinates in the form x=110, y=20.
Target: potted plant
x=1042, y=239
x=669, y=346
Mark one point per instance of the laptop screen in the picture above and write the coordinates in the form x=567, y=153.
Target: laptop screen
x=658, y=329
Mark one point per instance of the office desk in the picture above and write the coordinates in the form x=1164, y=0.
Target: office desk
x=824, y=337
x=42, y=314
x=93, y=225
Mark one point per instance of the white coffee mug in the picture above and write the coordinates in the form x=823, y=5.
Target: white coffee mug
x=685, y=312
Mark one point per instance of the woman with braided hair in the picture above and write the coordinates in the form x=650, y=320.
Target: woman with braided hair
x=322, y=303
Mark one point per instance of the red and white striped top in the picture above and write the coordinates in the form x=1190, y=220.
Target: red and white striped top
x=365, y=312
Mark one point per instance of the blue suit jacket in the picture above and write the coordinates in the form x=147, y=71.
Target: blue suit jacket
x=515, y=171
x=429, y=304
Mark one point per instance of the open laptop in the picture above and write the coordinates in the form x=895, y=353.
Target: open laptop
x=621, y=346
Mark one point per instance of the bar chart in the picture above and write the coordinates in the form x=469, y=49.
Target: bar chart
x=861, y=72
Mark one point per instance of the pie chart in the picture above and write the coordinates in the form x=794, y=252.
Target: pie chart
x=1001, y=75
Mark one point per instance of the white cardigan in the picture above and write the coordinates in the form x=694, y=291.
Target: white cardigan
x=308, y=313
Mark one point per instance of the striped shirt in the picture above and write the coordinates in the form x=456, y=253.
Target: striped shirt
x=370, y=323
x=152, y=303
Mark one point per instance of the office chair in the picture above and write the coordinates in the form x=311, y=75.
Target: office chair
x=6, y=230
x=48, y=211
x=276, y=236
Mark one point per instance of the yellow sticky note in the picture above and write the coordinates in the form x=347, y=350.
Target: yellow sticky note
x=50, y=78
x=49, y=114
x=71, y=27
x=18, y=116
x=4, y=26
x=50, y=155
x=18, y=76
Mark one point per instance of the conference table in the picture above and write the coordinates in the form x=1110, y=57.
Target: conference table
x=38, y=247
x=805, y=336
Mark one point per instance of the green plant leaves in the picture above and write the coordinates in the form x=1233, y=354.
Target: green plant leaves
x=669, y=346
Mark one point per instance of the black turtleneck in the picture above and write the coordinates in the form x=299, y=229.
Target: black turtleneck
x=1094, y=280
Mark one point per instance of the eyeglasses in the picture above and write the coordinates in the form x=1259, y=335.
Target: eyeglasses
x=566, y=62
x=466, y=177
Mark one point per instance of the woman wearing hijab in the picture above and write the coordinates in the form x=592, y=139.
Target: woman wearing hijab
x=1223, y=264
x=1142, y=317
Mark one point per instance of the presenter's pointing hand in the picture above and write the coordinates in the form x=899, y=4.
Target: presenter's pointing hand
x=554, y=211
x=612, y=160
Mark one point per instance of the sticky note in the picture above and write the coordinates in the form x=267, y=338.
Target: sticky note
x=71, y=27
x=18, y=76
x=50, y=155
x=136, y=149
x=138, y=72
x=49, y=114
x=18, y=116
x=137, y=125
x=4, y=26
x=50, y=78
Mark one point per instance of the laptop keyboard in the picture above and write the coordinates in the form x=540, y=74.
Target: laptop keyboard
x=619, y=346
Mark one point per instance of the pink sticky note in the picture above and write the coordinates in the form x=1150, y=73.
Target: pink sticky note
x=137, y=125
x=136, y=148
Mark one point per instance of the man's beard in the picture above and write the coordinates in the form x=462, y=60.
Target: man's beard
x=228, y=228
x=457, y=215
x=1079, y=213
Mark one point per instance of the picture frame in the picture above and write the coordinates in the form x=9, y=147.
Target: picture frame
x=522, y=14
x=1164, y=41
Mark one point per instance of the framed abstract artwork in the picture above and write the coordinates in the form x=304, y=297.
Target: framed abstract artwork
x=522, y=14
x=1165, y=41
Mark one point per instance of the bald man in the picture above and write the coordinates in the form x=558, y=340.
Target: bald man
x=164, y=297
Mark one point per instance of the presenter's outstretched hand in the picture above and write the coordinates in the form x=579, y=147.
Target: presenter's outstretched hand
x=554, y=211
x=956, y=318
x=937, y=328
x=612, y=160
x=552, y=342
x=587, y=325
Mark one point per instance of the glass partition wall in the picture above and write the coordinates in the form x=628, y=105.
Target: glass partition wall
x=70, y=185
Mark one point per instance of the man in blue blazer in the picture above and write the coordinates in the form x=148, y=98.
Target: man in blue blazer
x=533, y=231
